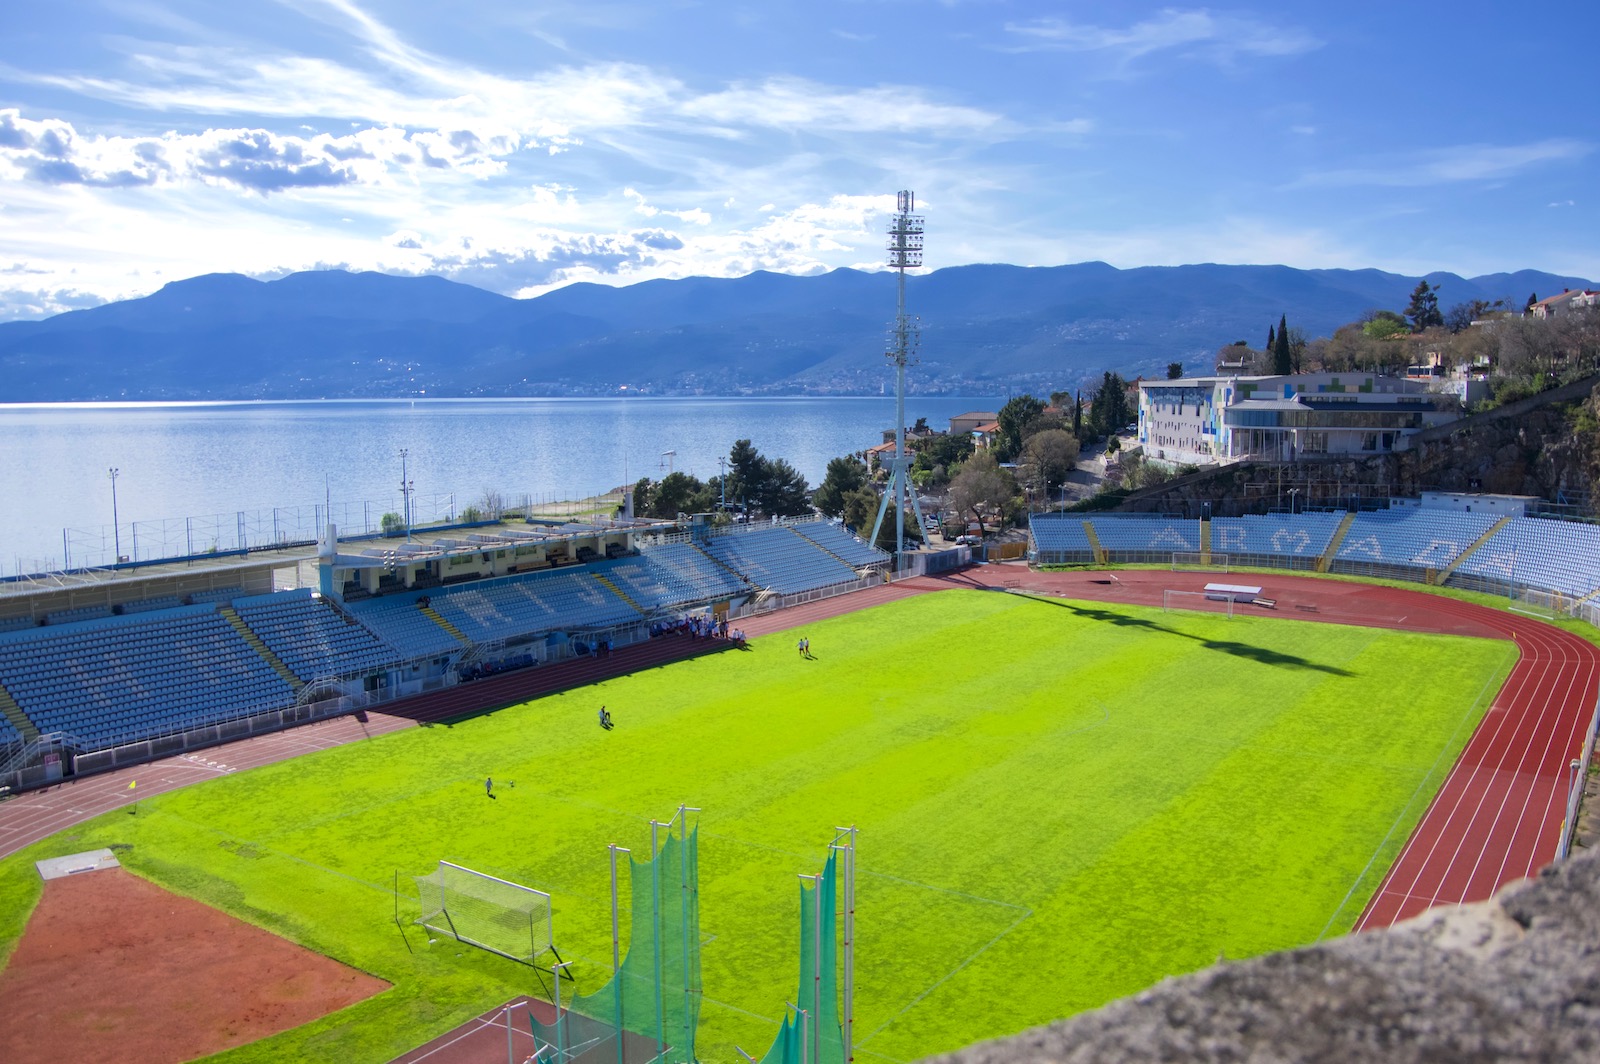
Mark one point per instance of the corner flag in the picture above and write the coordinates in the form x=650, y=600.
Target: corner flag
x=132, y=784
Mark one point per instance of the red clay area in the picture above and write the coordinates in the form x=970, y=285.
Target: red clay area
x=1498, y=815
x=112, y=967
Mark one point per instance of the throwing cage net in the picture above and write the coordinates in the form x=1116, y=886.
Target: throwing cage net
x=484, y=911
x=811, y=1031
x=651, y=1007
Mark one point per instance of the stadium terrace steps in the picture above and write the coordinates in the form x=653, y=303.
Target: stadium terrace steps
x=1445, y=573
x=1334, y=543
x=1094, y=543
x=433, y=615
x=605, y=582
x=18, y=720
x=229, y=614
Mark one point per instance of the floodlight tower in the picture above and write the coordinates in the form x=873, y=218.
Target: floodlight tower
x=905, y=253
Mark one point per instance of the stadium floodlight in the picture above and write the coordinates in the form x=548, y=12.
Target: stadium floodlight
x=905, y=253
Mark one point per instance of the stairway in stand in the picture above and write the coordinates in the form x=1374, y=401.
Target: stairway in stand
x=508, y=689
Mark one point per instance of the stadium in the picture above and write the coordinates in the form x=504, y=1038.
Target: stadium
x=1012, y=792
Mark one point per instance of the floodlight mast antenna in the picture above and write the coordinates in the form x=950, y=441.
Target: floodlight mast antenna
x=905, y=253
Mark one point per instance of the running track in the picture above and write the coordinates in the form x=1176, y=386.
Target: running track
x=1495, y=819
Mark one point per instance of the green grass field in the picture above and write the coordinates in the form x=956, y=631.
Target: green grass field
x=1059, y=804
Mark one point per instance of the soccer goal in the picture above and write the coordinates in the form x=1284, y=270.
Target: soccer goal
x=1197, y=600
x=1199, y=563
x=485, y=911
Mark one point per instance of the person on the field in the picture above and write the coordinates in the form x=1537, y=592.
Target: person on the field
x=488, y=786
x=605, y=719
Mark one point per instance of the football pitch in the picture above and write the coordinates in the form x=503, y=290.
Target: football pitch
x=1058, y=804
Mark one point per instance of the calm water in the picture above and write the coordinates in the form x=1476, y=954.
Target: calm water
x=193, y=476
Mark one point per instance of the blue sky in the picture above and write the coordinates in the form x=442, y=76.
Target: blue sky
x=522, y=146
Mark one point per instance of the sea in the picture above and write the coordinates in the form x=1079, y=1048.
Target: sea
x=196, y=477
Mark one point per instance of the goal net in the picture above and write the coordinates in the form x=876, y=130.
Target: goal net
x=1199, y=563
x=1197, y=600
x=485, y=911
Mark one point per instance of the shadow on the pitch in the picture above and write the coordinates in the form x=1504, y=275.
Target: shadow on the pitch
x=1261, y=655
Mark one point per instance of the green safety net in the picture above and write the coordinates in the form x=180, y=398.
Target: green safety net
x=818, y=1039
x=651, y=1006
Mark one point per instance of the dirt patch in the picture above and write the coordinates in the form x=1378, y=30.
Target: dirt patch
x=112, y=967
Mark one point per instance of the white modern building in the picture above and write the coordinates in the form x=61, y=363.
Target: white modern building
x=1227, y=419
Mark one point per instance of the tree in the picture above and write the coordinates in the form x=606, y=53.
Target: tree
x=1272, y=341
x=1384, y=325
x=677, y=493
x=642, y=492
x=1423, y=310
x=982, y=487
x=1282, y=359
x=1047, y=457
x=745, y=471
x=1174, y=371
x=1014, y=417
x=1109, y=409
x=784, y=492
x=844, y=475
x=937, y=455
x=1527, y=308
x=861, y=509
x=392, y=524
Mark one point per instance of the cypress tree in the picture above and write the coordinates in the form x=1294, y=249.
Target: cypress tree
x=1282, y=362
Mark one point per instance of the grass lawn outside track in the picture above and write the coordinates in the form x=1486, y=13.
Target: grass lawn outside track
x=1059, y=804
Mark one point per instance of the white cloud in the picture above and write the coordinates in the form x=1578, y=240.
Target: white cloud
x=1466, y=162
x=51, y=151
x=798, y=104
x=1199, y=33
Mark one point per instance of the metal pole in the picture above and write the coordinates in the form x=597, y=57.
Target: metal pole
x=616, y=947
x=511, y=1053
x=655, y=940
x=116, y=533
x=561, y=1035
x=849, y=850
x=816, y=958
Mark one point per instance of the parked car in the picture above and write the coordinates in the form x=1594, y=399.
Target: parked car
x=969, y=540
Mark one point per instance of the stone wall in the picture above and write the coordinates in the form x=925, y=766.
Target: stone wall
x=1513, y=979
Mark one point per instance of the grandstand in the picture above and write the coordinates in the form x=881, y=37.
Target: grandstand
x=110, y=667
x=1408, y=538
x=780, y=558
x=115, y=680
x=1557, y=556
x=1280, y=540
x=1144, y=537
x=1551, y=560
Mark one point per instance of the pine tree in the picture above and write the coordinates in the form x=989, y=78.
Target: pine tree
x=1424, y=307
x=1533, y=297
x=1272, y=343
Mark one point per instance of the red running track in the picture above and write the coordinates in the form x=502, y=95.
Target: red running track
x=1498, y=815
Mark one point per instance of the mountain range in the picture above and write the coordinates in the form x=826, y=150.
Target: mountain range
x=985, y=329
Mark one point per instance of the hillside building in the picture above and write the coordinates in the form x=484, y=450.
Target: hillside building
x=1208, y=420
x=1565, y=303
